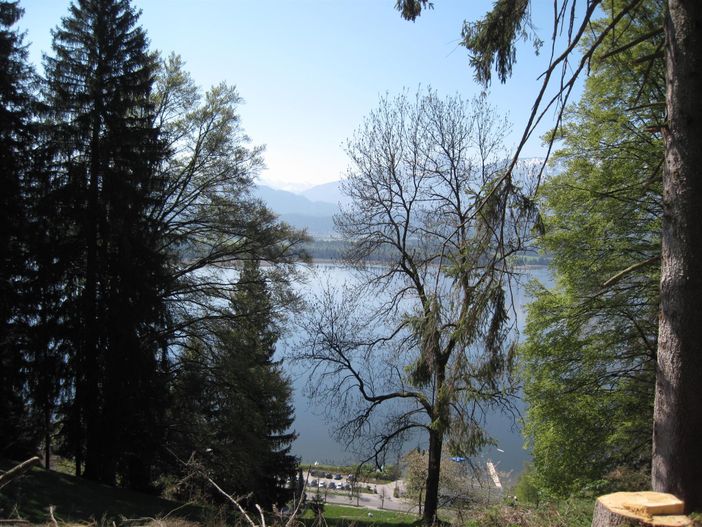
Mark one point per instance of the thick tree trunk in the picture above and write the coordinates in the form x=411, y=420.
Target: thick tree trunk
x=93, y=445
x=431, y=498
x=639, y=509
x=677, y=430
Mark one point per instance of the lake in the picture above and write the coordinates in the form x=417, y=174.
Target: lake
x=315, y=442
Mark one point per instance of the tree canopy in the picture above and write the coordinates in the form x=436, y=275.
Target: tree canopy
x=676, y=424
x=591, y=340
x=132, y=245
x=421, y=343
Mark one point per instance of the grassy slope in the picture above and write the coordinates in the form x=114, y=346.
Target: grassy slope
x=341, y=515
x=80, y=501
x=77, y=500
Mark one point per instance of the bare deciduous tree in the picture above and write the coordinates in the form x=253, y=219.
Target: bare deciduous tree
x=421, y=342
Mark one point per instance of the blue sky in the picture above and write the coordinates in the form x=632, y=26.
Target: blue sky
x=309, y=70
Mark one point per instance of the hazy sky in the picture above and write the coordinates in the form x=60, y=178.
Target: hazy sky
x=309, y=70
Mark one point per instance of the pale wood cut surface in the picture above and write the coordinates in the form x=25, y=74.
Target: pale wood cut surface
x=639, y=509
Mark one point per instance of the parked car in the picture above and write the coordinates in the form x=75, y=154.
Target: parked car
x=322, y=485
x=328, y=475
x=314, y=483
x=331, y=485
x=337, y=476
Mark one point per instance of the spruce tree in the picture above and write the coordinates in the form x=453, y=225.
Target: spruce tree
x=99, y=83
x=233, y=402
x=17, y=433
x=253, y=337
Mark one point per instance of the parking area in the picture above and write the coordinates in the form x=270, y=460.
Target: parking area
x=330, y=481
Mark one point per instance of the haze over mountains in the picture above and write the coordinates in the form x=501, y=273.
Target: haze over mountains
x=313, y=209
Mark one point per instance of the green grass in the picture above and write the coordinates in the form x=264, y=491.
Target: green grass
x=576, y=512
x=341, y=515
x=78, y=500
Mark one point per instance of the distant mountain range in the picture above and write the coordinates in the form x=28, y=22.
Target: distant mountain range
x=314, y=208
x=328, y=192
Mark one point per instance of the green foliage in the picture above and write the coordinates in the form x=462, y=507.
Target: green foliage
x=411, y=9
x=589, y=359
x=527, y=489
x=567, y=513
x=18, y=425
x=232, y=401
x=492, y=40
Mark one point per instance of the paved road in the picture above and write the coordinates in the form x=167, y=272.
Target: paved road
x=381, y=499
x=373, y=501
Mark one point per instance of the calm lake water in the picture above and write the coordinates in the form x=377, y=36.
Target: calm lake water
x=315, y=441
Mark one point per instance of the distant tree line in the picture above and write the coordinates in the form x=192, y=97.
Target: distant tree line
x=335, y=250
x=137, y=322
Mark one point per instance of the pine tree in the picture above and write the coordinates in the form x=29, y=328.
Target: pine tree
x=233, y=401
x=254, y=337
x=99, y=83
x=17, y=433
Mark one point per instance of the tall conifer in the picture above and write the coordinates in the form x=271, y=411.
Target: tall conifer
x=233, y=402
x=99, y=83
x=17, y=435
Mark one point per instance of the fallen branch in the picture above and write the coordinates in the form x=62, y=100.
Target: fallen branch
x=234, y=501
x=123, y=521
x=18, y=470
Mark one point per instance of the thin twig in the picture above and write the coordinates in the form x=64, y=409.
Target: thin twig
x=51, y=516
x=232, y=500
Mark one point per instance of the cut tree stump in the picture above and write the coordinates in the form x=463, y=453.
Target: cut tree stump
x=639, y=509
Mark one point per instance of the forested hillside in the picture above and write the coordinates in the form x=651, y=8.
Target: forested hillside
x=133, y=265
x=156, y=298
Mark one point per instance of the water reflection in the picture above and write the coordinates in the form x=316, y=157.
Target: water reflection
x=315, y=442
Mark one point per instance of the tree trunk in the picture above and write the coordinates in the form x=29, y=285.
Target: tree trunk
x=431, y=498
x=93, y=445
x=639, y=509
x=677, y=427
x=47, y=440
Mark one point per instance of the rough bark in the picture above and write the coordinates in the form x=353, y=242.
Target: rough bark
x=91, y=349
x=677, y=430
x=431, y=499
